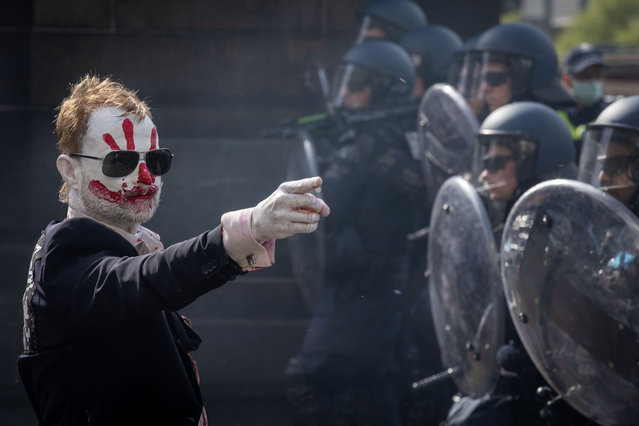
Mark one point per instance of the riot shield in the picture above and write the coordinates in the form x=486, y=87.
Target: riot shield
x=446, y=128
x=306, y=251
x=465, y=287
x=570, y=268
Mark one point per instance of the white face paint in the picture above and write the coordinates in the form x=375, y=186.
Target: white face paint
x=122, y=201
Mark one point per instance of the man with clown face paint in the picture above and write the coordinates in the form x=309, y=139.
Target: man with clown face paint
x=122, y=201
x=103, y=344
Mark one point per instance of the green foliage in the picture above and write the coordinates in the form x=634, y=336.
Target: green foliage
x=514, y=15
x=603, y=21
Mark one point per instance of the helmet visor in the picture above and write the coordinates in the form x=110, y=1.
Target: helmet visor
x=609, y=160
x=356, y=87
x=489, y=80
x=457, y=64
x=503, y=160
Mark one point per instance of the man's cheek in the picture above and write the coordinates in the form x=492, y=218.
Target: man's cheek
x=99, y=190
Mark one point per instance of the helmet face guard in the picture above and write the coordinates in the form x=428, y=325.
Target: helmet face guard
x=609, y=160
x=458, y=63
x=480, y=75
x=522, y=149
x=356, y=87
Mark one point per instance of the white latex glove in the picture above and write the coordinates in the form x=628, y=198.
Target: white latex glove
x=290, y=210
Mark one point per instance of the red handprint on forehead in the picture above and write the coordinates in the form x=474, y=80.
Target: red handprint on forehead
x=127, y=128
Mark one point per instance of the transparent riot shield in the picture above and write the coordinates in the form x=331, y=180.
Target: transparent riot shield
x=446, y=128
x=306, y=251
x=570, y=268
x=465, y=287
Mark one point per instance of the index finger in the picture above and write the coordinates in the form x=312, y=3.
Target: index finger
x=301, y=186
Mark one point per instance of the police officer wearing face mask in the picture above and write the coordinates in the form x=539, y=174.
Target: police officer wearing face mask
x=583, y=75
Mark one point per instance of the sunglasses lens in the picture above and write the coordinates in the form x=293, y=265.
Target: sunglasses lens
x=357, y=81
x=613, y=166
x=159, y=161
x=496, y=78
x=120, y=163
x=495, y=163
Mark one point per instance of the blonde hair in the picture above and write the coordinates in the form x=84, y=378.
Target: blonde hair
x=88, y=95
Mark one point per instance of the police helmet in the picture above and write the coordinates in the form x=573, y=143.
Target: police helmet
x=389, y=19
x=431, y=47
x=528, y=60
x=538, y=138
x=610, y=154
x=379, y=69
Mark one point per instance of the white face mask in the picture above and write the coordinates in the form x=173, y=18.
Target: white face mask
x=127, y=200
x=587, y=92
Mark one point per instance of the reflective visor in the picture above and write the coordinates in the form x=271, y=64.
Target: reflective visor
x=479, y=69
x=607, y=152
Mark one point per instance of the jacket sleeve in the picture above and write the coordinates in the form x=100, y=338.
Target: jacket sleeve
x=90, y=274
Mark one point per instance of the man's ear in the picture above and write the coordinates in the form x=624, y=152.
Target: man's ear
x=69, y=170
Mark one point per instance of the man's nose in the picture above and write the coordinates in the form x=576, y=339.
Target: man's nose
x=144, y=176
x=603, y=178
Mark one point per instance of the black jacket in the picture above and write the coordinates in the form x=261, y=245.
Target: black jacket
x=98, y=347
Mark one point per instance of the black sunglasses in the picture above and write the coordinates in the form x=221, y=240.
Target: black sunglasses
x=495, y=79
x=615, y=164
x=495, y=163
x=122, y=163
x=357, y=81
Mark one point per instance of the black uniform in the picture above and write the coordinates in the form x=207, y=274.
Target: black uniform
x=99, y=348
x=348, y=362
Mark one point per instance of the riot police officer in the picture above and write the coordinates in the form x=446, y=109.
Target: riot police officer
x=610, y=159
x=431, y=48
x=569, y=268
x=389, y=19
x=512, y=62
x=346, y=371
x=518, y=146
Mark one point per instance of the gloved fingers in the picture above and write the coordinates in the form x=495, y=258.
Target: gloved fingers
x=300, y=216
x=301, y=201
x=325, y=210
x=293, y=228
x=301, y=186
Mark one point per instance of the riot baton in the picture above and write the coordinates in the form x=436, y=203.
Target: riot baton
x=420, y=233
x=436, y=378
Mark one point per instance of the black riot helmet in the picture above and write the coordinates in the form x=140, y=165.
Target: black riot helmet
x=530, y=134
x=515, y=60
x=431, y=48
x=610, y=155
x=373, y=74
x=389, y=19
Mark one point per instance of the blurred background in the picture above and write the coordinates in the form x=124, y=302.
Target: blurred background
x=216, y=73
